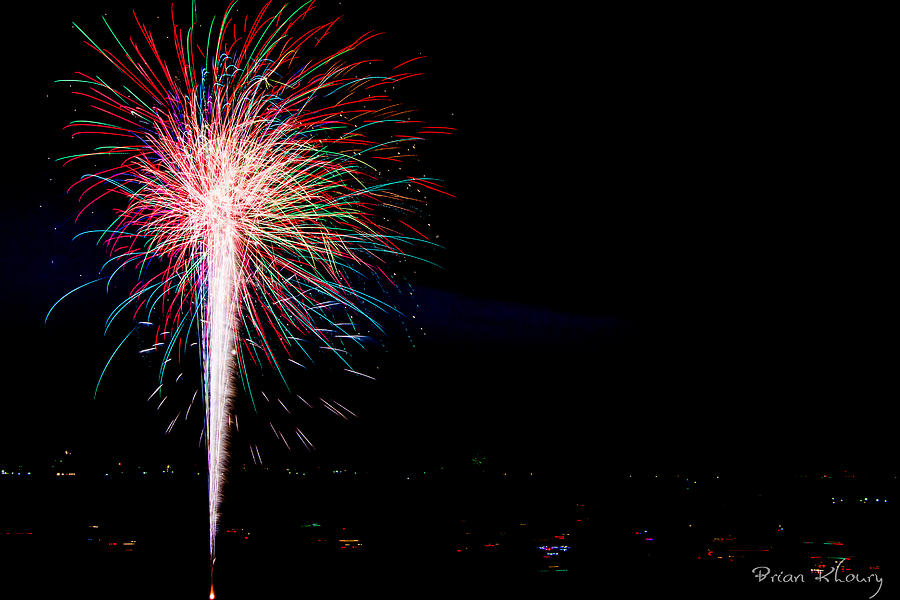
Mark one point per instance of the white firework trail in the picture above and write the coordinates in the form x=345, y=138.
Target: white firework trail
x=218, y=350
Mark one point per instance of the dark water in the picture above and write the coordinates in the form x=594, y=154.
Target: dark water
x=478, y=534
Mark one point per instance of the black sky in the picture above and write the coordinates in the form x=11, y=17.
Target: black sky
x=669, y=241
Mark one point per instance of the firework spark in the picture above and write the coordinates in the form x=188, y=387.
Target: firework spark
x=251, y=166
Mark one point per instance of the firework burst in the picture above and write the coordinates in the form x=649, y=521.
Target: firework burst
x=251, y=167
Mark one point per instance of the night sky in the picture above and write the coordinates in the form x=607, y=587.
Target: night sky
x=668, y=244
